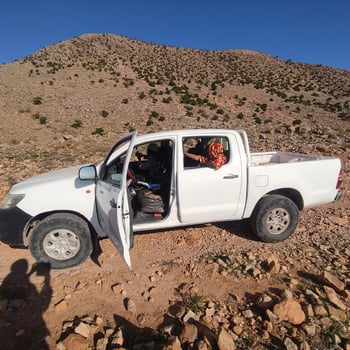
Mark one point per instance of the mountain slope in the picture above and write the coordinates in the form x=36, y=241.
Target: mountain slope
x=79, y=78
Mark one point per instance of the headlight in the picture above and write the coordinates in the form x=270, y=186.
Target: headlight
x=11, y=200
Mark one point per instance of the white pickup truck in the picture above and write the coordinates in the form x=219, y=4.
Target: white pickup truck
x=58, y=214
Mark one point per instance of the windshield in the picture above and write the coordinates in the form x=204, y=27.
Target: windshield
x=112, y=167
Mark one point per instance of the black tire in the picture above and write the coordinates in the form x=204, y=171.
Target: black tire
x=274, y=218
x=61, y=240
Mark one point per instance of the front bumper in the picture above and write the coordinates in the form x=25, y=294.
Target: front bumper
x=12, y=223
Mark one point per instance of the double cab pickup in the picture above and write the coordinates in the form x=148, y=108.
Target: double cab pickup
x=151, y=182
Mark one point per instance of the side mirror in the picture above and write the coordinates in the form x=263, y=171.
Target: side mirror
x=88, y=173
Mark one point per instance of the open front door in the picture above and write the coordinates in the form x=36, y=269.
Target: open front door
x=112, y=196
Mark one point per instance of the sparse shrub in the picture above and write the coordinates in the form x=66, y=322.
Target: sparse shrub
x=98, y=131
x=125, y=101
x=263, y=106
x=149, y=122
x=195, y=302
x=167, y=99
x=154, y=114
x=297, y=122
x=37, y=100
x=36, y=116
x=77, y=123
x=42, y=119
x=142, y=95
x=344, y=116
x=257, y=120
x=259, y=85
x=240, y=115
x=104, y=113
x=287, y=126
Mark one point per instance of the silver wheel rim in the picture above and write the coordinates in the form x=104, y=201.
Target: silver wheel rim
x=61, y=244
x=277, y=221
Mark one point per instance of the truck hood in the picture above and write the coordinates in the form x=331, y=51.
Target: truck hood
x=66, y=174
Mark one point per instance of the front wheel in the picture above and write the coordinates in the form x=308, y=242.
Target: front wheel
x=61, y=240
x=274, y=218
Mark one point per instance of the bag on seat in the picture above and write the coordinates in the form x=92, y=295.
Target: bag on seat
x=150, y=202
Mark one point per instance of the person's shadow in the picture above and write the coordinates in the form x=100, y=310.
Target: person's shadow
x=22, y=305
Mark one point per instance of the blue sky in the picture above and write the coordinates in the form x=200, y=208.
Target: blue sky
x=312, y=31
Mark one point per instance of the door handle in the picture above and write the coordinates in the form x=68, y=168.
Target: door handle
x=231, y=176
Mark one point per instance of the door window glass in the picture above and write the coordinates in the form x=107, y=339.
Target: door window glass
x=199, y=146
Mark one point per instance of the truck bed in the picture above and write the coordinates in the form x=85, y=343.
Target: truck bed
x=266, y=158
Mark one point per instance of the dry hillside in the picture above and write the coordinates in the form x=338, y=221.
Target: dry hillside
x=68, y=102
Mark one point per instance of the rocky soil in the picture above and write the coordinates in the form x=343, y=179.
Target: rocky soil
x=206, y=287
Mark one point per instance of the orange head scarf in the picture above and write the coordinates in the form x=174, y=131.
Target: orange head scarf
x=215, y=148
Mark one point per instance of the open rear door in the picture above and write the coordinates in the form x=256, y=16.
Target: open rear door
x=112, y=196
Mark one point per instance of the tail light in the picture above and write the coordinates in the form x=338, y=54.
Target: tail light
x=340, y=179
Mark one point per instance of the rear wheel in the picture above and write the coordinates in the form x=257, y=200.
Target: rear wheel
x=274, y=218
x=61, y=240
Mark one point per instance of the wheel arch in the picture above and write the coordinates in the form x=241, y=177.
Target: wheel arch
x=290, y=193
x=30, y=226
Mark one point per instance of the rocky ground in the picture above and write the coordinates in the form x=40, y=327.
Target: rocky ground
x=206, y=287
